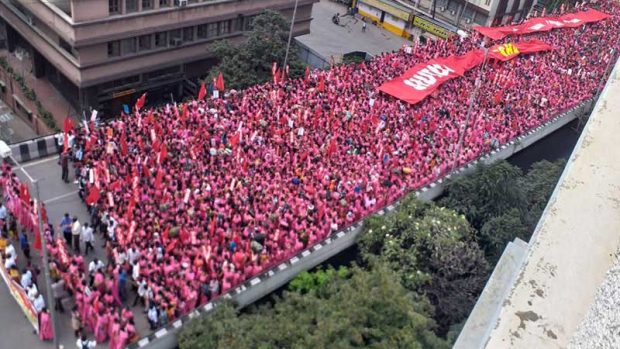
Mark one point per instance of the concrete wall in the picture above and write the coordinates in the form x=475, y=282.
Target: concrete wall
x=262, y=285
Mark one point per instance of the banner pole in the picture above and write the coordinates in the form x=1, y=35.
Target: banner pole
x=50, y=297
x=478, y=83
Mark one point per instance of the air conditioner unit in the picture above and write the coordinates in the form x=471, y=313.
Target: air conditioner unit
x=442, y=9
x=183, y=3
x=453, y=13
x=177, y=42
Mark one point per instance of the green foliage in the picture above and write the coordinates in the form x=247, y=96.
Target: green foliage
x=47, y=117
x=500, y=230
x=250, y=63
x=488, y=192
x=538, y=185
x=434, y=252
x=317, y=281
x=370, y=309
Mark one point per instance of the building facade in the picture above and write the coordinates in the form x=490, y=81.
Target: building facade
x=105, y=53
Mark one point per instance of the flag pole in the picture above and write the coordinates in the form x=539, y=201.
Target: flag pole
x=50, y=297
x=478, y=83
x=290, y=35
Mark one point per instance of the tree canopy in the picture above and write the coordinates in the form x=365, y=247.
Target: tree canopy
x=250, y=63
x=367, y=309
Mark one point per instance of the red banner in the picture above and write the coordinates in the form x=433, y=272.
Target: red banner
x=424, y=78
x=543, y=24
x=508, y=51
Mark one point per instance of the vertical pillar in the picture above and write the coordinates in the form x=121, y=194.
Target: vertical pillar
x=11, y=38
x=38, y=64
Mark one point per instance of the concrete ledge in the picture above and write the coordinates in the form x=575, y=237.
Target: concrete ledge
x=279, y=275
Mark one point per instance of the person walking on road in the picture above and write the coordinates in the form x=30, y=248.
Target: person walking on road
x=87, y=237
x=76, y=229
x=65, y=226
x=363, y=24
x=23, y=243
x=64, y=163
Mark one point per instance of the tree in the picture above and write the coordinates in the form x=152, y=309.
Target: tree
x=317, y=281
x=498, y=231
x=250, y=63
x=538, y=184
x=370, y=309
x=434, y=251
x=488, y=192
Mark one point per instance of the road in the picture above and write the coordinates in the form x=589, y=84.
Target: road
x=59, y=198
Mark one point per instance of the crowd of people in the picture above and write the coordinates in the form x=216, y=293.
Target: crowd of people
x=193, y=199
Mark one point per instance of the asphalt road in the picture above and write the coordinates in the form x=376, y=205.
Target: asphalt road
x=59, y=198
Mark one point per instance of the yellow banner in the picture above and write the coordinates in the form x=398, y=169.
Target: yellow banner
x=20, y=296
x=431, y=27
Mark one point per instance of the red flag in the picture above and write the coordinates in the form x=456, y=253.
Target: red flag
x=276, y=76
x=124, y=147
x=332, y=147
x=68, y=124
x=234, y=140
x=498, y=96
x=185, y=114
x=24, y=194
x=202, y=92
x=321, y=86
x=163, y=154
x=43, y=213
x=93, y=195
x=171, y=245
x=274, y=70
x=37, y=241
x=220, y=82
x=130, y=206
x=158, y=178
x=307, y=74
x=140, y=102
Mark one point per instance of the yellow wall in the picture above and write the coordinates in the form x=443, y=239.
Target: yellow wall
x=387, y=26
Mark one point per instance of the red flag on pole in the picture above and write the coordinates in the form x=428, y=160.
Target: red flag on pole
x=321, y=86
x=220, y=82
x=202, y=92
x=93, y=195
x=124, y=147
x=163, y=154
x=24, y=194
x=332, y=147
x=158, y=178
x=185, y=113
x=307, y=74
x=37, y=241
x=140, y=102
x=43, y=213
x=234, y=140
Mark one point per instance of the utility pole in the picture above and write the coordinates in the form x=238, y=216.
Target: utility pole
x=46, y=267
x=478, y=83
x=290, y=36
x=433, y=10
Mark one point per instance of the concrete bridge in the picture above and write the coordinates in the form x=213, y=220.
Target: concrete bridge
x=540, y=292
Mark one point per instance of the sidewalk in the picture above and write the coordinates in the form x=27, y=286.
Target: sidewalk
x=51, y=99
x=14, y=129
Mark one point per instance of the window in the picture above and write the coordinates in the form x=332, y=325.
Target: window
x=188, y=34
x=224, y=27
x=164, y=3
x=114, y=48
x=175, y=37
x=128, y=46
x=114, y=6
x=147, y=4
x=211, y=30
x=201, y=31
x=160, y=39
x=144, y=42
x=487, y=2
x=248, y=22
x=131, y=6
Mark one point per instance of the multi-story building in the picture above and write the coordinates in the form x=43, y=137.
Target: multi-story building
x=105, y=53
x=441, y=17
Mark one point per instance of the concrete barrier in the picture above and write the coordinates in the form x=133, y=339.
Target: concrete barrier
x=34, y=149
x=270, y=280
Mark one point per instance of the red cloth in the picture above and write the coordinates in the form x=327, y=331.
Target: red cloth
x=93, y=195
x=220, y=82
x=202, y=92
x=140, y=102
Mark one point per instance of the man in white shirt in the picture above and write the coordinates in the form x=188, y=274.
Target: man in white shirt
x=26, y=279
x=39, y=303
x=76, y=229
x=10, y=257
x=83, y=343
x=88, y=238
x=94, y=266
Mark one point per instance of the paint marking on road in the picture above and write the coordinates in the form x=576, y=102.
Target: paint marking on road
x=32, y=180
x=55, y=157
x=61, y=196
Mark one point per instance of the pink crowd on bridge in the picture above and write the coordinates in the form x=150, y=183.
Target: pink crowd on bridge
x=197, y=198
